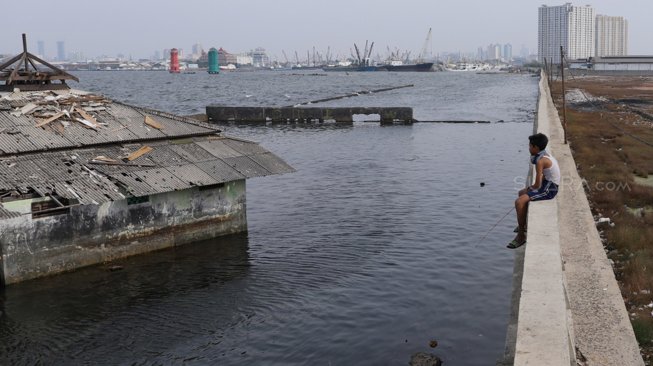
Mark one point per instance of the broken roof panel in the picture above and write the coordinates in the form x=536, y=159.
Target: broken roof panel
x=161, y=179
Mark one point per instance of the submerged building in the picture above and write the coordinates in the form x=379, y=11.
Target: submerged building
x=85, y=180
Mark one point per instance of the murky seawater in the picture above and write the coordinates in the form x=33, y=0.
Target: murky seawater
x=365, y=254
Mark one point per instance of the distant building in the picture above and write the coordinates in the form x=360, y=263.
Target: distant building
x=61, y=51
x=260, y=58
x=494, y=52
x=40, y=46
x=244, y=59
x=507, y=52
x=611, y=36
x=225, y=58
x=166, y=54
x=571, y=27
x=197, y=51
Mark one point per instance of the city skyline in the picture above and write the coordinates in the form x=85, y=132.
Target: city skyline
x=140, y=30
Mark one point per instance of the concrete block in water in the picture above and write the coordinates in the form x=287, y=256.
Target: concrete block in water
x=284, y=114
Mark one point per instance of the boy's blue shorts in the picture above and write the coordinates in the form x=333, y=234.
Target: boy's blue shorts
x=547, y=191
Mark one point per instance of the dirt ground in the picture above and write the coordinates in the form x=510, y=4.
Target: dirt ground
x=609, y=123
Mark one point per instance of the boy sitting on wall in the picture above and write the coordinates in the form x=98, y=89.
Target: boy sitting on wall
x=547, y=180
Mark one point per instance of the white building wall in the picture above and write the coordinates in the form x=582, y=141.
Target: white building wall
x=571, y=27
x=611, y=36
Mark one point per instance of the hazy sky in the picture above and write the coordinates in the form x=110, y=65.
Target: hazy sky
x=139, y=27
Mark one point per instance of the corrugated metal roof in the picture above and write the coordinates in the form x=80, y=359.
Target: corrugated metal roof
x=218, y=148
x=192, y=175
x=66, y=158
x=246, y=166
x=118, y=122
x=162, y=180
x=272, y=163
x=192, y=152
x=220, y=171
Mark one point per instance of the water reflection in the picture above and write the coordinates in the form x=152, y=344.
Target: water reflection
x=74, y=316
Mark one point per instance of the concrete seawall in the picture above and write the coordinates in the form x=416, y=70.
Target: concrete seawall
x=568, y=306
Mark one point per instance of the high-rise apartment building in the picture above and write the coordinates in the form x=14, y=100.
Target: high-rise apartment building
x=611, y=36
x=507, y=52
x=40, y=47
x=571, y=27
x=61, y=51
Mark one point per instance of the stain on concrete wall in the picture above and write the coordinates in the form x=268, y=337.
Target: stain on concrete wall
x=33, y=247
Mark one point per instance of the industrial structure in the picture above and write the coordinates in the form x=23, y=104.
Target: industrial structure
x=214, y=65
x=174, y=61
x=85, y=180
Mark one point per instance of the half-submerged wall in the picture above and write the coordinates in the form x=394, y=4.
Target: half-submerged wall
x=35, y=245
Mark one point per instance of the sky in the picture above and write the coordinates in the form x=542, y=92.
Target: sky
x=138, y=28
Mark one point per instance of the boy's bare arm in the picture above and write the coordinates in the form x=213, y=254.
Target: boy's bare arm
x=539, y=174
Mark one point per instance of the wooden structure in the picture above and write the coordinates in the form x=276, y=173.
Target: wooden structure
x=22, y=72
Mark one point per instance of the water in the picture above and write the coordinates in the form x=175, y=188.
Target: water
x=365, y=254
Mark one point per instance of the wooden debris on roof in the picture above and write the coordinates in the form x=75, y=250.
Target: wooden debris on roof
x=138, y=153
x=153, y=123
x=51, y=119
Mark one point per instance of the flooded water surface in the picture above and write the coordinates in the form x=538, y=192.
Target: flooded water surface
x=362, y=257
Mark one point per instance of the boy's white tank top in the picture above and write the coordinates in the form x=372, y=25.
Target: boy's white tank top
x=552, y=174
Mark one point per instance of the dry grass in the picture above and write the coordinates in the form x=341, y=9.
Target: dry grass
x=601, y=137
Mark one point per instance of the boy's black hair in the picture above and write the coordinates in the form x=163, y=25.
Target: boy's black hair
x=540, y=140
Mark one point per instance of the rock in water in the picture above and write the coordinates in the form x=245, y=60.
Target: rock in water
x=425, y=359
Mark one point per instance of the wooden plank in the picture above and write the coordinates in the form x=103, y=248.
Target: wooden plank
x=87, y=116
x=51, y=119
x=138, y=153
x=151, y=122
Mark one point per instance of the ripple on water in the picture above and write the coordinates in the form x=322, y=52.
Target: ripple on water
x=362, y=256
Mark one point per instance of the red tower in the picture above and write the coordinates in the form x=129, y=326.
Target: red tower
x=174, y=61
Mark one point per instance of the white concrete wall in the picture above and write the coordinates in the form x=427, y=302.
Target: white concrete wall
x=570, y=310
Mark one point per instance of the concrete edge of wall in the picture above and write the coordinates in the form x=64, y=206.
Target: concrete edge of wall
x=569, y=302
x=543, y=327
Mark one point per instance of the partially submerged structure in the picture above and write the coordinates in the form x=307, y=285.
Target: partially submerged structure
x=85, y=180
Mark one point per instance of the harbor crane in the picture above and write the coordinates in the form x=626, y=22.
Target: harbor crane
x=425, y=49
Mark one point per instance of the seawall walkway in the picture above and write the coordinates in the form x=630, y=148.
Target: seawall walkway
x=568, y=306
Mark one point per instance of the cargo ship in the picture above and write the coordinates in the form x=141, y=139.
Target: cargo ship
x=423, y=66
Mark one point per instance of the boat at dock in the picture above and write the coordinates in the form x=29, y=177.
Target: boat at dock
x=420, y=67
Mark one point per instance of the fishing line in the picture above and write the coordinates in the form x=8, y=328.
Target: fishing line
x=495, y=225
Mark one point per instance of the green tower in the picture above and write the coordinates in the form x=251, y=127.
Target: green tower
x=214, y=66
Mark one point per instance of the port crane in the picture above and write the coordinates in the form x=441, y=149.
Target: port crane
x=425, y=49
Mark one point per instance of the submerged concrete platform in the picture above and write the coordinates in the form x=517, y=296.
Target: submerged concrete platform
x=299, y=114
